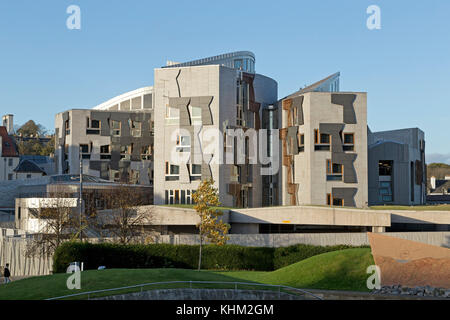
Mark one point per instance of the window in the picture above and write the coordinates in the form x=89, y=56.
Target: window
x=135, y=128
x=84, y=150
x=338, y=202
x=151, y=126
x=93, y=127
x=334, y=171
x=126, y=151
x=146, y=152
x=95, y=124
x=188, y=197
x=183, y=144
x=385, y=167
x=178, y=196
x=329, y=199
x=172, y=115
x=321, y=141
x=239, y=115
x=238, y=64
x=196, y=171
x=10, y=176
x=172, y=172
x=349, y=138
x=385, y=191
x=196, y=115
x=235, y=173
x=28, y=176
x=67, y=126
x=10, y=162
x=115, y=128
x=301, y=142
x=349, y=142
x=324, y=138
x=105, y=152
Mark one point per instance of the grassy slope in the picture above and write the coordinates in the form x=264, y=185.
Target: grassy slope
x=339, y=270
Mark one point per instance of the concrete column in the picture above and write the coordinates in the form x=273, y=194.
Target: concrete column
x=378, y=229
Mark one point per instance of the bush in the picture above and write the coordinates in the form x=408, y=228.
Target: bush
x=228, y=257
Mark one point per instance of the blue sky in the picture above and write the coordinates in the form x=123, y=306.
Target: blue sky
x=46, y=68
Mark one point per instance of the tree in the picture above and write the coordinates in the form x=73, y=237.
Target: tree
x=56, y=221
x=31, y=129
x=210, y=226
x=126, y=220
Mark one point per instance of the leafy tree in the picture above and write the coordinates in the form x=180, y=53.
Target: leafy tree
x=31, y=129
x=210, y=227
x=36, y=147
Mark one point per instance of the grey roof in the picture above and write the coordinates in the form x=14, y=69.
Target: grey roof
x=442, y=186
x=28, y=166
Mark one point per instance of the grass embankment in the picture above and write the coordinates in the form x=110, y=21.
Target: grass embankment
x=337, y=270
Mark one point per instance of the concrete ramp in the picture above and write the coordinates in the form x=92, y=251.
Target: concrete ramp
x=409, y=263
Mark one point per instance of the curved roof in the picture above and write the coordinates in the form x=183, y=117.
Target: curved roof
x=124, y=97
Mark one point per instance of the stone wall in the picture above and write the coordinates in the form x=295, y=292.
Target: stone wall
x=441, y=239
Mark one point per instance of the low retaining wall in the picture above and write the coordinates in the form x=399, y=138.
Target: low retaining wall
x=204, y=294
x=441, y=239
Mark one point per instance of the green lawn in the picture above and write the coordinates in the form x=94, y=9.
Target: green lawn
x=338, y=270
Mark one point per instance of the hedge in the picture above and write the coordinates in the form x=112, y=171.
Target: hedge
x=228, y=257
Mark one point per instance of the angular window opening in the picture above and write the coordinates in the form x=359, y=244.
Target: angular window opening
x=136, y=127
x=196, y=115
x=105, y=152
x=115, y=128
x=385, y=167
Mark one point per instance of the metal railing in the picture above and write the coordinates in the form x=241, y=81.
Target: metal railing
x=236, y=286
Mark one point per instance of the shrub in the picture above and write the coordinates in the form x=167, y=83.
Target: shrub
x=228, y=257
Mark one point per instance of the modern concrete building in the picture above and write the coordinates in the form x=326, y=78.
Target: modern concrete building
x=397, y=168
x=324, y=146
x=197, y=104
x=203, y=118
x=114, y=139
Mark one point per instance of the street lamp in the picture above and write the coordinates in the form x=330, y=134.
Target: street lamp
x=80, y=199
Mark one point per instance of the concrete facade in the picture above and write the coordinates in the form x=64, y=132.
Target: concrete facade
x=319, y=166
x=114, y=145
x=216, y=92
x=397, y=168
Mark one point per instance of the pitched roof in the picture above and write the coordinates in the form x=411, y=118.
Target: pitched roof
x=442, y=186
x=28, y=166
x=8, y=146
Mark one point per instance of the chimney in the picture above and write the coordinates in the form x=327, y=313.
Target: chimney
x=8, y=123
x=433, y=183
